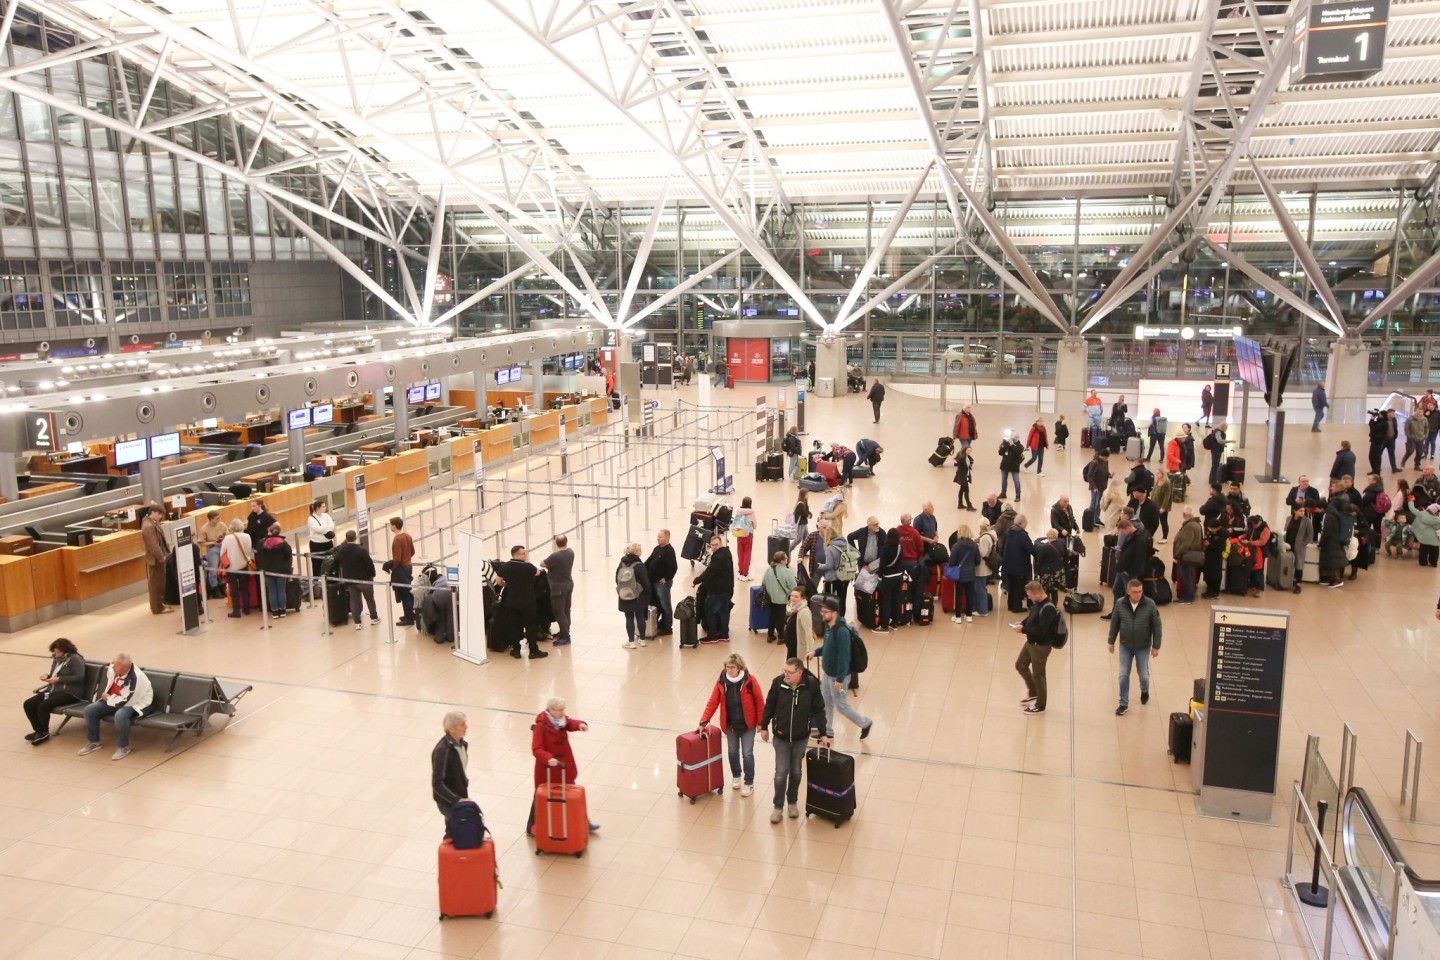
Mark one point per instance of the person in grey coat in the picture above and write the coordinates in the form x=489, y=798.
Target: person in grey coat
x=1136, y=624
x=62, y=685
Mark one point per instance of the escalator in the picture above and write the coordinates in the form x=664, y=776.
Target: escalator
x=1373, y=863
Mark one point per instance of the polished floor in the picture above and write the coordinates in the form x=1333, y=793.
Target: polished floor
x=304, y=827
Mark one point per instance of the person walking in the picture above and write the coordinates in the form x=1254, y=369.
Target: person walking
x=794, y=709
x=1319, y=403
x=559, y=569
x=449, y=783
x=1344, y=465
x=777, y=583
x=1097, y=478
x=714, y=588
x=741, y=702
x=1136, y=625
x=1392, y=434
x=662, y=566
x=1415, y=431
x=791, y=447
x=354, y=565
x=827, y=566
x=1041, y=629
x=402, y=573
x=554, y=757
x=632, y=588
x=60, y=686
x=876, y=397
x=276, y=557
x=1163, y=498
x=1062, y=432
x=1156, y=434
x=152, y=534
x=1215, y=443
x=1207, y=403
x=1036, y=442
x=834, y=654
x=1011, y=453
x=964, y=468
x=1130, y=560
x=743, y=526
x=801, y=514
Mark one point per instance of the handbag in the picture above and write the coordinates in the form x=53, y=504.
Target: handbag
x=1196, y=557
x=936, y=553
x=951, y=572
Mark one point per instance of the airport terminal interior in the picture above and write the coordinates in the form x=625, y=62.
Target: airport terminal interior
x=512, y=270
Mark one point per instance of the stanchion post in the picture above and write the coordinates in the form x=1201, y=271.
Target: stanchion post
x=390, y=615
x=1313, y=893
x=325, y=605
x=1410, y=778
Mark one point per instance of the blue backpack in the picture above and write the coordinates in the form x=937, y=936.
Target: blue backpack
x=465, y=826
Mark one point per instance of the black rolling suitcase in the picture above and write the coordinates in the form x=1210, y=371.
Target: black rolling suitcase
x=1235, y=470
x=925, y=611
x=1108, y=554
x=943, y=448
x=292, y=594
x=685, y=617
x=867, y=610
x=1181, y=727
x=337, y=603
x=829, y=784
x=1237, y=579
x=1179, y=485
x=1072, y=572
x=694, y=546
x=777, y=544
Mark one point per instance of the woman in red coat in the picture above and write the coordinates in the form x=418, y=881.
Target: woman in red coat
x=741, y=702
x=550, y=743
x=1037, y=441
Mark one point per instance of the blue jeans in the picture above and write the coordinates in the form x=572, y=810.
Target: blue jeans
x=717, y=616
x=794, y=465
x=1094, y=414
x=275, y=593
x=742, y=741
x=634, y=626
x=1141, y=659
x=788, y=756
x=1186, y=581
x=839, y=700
x=1037, y=457
x=979, y=597
x=666, y=621
x=1095, y=501
x=1319, y=415
x=1005, y=477
x=212, y=565
x=124, y=717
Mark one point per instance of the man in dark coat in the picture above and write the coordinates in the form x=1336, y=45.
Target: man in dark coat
x=661, y=566
x=449, y=784
x=876, y=397
x=1016, y=551
x=716, y=585
x=1135, y=549
x=517, y=605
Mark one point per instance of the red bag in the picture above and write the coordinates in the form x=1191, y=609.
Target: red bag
x=562, y=822
x=467, y=880
x=698, y=767
x=829, y=470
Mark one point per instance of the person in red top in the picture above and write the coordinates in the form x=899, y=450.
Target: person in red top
x=402, y=552
x=1036, y=443
x=741, y=702
x=964, y=429
x=550, y=743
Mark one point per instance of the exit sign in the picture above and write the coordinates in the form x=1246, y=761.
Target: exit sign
x=1342, y=42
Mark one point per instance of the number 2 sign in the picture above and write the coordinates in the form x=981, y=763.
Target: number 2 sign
x=40, y=433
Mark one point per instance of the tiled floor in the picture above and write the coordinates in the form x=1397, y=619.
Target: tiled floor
x=305, y=828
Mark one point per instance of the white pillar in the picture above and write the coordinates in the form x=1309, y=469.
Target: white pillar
x=1072, y=377
x=829, y=362
x=1347, y=380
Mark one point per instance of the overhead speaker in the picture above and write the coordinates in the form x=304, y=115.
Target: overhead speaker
x=89, y=341
x=134, y=338
x=43, y=346
x=424, y=366
x=145, y=412
x=352, y=379
x=482, y=356
x=310, y=386
x=73, y=422
x=206, y=334
x=390, y=374
x=455, y=362
x=208, y=403
x=262, y=393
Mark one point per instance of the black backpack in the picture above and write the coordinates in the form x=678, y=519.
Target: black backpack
x=859, y=656
x=465, y=826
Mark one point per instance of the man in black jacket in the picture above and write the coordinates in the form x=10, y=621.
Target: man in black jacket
x=517, y=604
x=1302, y=492
x=1040, y=625
x=1135, y=549
x=449, y=783
x=714, y=588
x=794, y=708
x=661, y=567
x=352, y=562
x=876, y=397
x=257, y=523
x=1016, y=551
x=1145, y=511
x=1012, y=451
x=868, y=540
x=1062, y=518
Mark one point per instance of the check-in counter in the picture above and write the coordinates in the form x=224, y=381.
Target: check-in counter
x=544, y=428
x=379, y=481
x=411, y=470
x=104, y=569
x=462, y=453
x=75, y=463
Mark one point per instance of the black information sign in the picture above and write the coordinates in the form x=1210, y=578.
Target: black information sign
x=1243, y=698
x=40, y=432
x=1343, y=41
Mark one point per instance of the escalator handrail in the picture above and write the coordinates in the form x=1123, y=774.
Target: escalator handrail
x=1358, y=796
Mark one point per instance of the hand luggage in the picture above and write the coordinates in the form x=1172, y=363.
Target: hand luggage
x=779, y=541
x=1135, y=448
x=694, y=546
x=337, y=603
x=1235, y=469
x=1086, y=440
x=943, y=448
x=467, y=880
x=1280, y=570
x=1310, y=572
x=759, y=615
x=1108, y=556
x=773, y=467
x=1179, y=485
x=829, y=784
x=1072, y=572
x=562, y=822
x=465, y=825
x=1181, y=727
x=925, y=611
x=867, y=610
x=292, y=594
x=1158, y=589
x=652, y=623
x=985, y=601
x=1237, y=579
x=1084, y=603
x=830, y=470
x=947, y=595
x=861, y=471
x=814, y=482
x=698, y=768
x=689, y=627
x=1089, y=519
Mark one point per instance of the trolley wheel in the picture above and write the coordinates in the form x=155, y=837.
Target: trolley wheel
x=443, y=918
x=537, y=853
x=489, y=914
x=578, y=853
x=692, y=801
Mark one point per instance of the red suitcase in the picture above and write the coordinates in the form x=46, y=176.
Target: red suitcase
x=947, y=595
x=830, y=470
x=698, y=768
x=562, y=823
x=467, y=880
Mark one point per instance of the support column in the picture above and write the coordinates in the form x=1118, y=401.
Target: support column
x=481, y=402
x=295, y=443
x=829, y=362
x=1347, y=380
x=152, y=488
x=402, y=418
x=1072, y=377
x=537, y=377
x=9, y=480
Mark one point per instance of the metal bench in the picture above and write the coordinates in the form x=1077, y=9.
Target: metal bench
x=183, y=702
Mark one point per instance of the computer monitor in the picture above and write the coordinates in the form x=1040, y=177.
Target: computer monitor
x=298, y=419
x=502, y=376
x=432, y=390
x=75, y=446
x=415, y=394
x=130, y=452
x=165, y=445
x=210, y=423
x=322, y=413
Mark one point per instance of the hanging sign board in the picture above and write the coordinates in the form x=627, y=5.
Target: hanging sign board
x=1342, y=42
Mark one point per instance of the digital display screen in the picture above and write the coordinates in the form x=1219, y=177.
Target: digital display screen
x=432, y=391
x=128, y=452
x=165, y=445
x=415, y=394
x=322, y=413
x=298, y=419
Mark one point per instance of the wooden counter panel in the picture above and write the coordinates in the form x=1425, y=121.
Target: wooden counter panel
x=44, y=488
x=47, y=577
x=411, y=470
x=462, y=454
x=460, y=397
x=103, y=566
x=16, y=593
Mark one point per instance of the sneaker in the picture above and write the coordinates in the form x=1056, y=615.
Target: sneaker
x=746, y=790
x=957, y=619
x=280, y=616
x=792, y=811
x=1032, y=709
x=538, y=655
x=1336, y=585
x=1144, y=697
x=1027, y=700
x=31, y=736
x=594, y=827
x=642, y=643
x=969, y=619
x=357, y=626
x=515, y=654
x=628, y=646
x=881, y=630
x=374, y=621
x=775, y=815
x=88, y=749
x=40, y=739
x=1121, y=710
x=564, y=642
x=865, y=732
x=402, y=622
x=735, y=783
x=120, y=754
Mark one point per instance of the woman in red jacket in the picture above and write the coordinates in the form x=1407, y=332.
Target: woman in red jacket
x=1036, y=443
x=741, y=702
x=550, y=743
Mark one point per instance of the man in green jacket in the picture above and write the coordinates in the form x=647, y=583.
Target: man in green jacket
x=1136, y=622
x=834, y=656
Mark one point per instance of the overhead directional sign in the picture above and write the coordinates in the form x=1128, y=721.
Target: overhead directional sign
x=1343, y=41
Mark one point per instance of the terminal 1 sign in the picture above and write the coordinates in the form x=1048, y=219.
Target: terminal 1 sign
x=1342, y=42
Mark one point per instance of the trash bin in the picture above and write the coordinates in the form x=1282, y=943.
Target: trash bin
x=825, y=387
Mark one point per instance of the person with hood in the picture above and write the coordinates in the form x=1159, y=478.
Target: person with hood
x=965, y=558
x=632, y=588
x=1011, y=453
x=777, y=583
x=1036, y=442
x=1189, y=553
x=794, y=709
x=964, y=469
x=1215, y=443
x=1344, y=465
x=1016, y=551
x=741, y=702
x=275, y=556
x=876, y=396
x=1427, y=533
x=554, y=757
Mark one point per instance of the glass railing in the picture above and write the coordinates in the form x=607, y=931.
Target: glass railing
x=1373, y=861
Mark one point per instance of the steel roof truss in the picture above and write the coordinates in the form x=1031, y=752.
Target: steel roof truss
x=1270, y=284
x=1303, y=253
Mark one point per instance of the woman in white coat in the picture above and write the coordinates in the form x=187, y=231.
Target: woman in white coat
x=237, y=553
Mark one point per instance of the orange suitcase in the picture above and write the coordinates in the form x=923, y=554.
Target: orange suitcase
x=562, y=822
x=467, y=880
